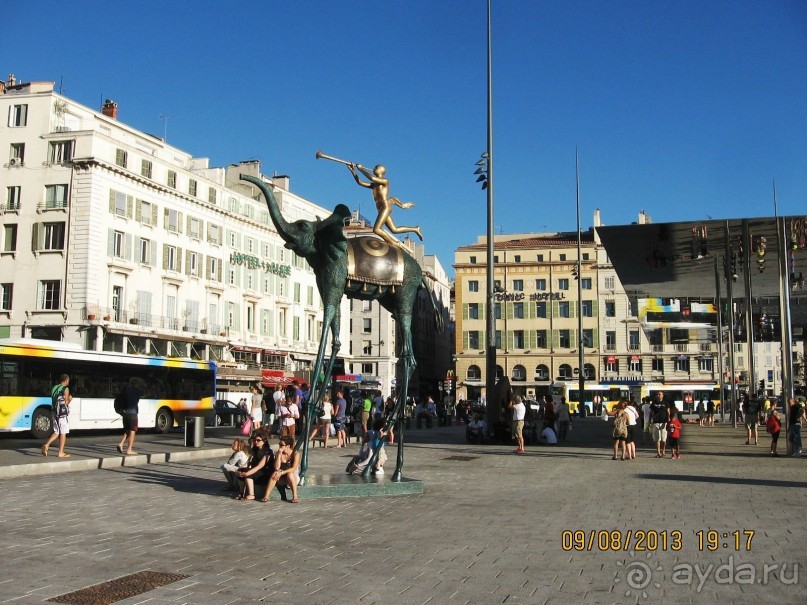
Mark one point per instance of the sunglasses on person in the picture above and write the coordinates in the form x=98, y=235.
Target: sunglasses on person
x=258, y=440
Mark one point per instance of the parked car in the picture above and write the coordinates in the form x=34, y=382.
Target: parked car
x=226, y=412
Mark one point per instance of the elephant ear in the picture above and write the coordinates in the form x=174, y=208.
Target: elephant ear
x=330, y=234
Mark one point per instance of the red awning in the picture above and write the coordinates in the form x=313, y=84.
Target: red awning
x=270, y=378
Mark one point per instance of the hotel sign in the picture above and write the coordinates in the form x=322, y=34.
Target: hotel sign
x=253, y=262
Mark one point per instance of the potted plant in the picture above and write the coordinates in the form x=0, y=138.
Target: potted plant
x=203, y=329
x=133, y=317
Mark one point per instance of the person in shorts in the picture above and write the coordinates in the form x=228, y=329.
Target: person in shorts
x=131, y=394
x=659, y=416
x=674, y=434
x=61, y=427
x=751, y=413
x=519, y=412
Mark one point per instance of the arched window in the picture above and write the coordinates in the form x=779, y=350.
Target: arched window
x=519, y=372
x=565, y=372
x=474, y=373
x=589, y=372
x=541, y=372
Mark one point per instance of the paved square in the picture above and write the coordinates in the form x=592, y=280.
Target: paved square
x=488, y=529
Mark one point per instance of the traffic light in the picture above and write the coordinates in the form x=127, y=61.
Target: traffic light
x=576, y=271
x=762, y=387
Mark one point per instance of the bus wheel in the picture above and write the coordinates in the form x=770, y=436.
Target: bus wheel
x=164, y=421
x=42, y=423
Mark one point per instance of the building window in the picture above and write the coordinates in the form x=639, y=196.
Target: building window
x=517, y=258
x=518, y=285
x=192, y=187
x=473, y=339
x=194, y=228
x=540, y=309
x=565, y=371
x=17, y=155
x=497, y=310
x=612, y=365
x=563, y=284
x=564, y=339
x=170, y=258
x=366, y=347
x=296, y=292
x=145, y=168
x=309, y=296
x=193, y=266
x=53, y=236
x=706, y=364
x=49, y=295
x=118, y=239
x=473, y=286
x=6, y=296
x=473, y=373
x=9, y=238
x=121, y=157
x=233, y=205
x=588, y=337
x=540, y=258
x=682, y=364
x=172, y=179
x=610, y=308
x=610, y=340
x=540, y=339
x=518, y=310
x=518, y=339
x=13, y=197
x=367, y=325
x=609, y=283
x=145, y=251
x=563, y=308
x=211, y=196
x=214, y=234
x=61, y=152
x=498, y=339
x=541, y=372
x=658, y=364
x=587, y=308
x=589, y=371
x=172, y=218
x=473, y=310
x=18, y=115
x=519, y=372
x=540, y=284
x=56, y=196
x=633, y=340
x=585, y=283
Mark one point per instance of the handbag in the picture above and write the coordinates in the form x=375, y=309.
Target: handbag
x=246, y=428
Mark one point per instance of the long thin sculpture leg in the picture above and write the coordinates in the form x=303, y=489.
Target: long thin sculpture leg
x=399, y=461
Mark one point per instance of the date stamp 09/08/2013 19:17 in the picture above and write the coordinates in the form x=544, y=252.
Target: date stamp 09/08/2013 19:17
x=602, y=540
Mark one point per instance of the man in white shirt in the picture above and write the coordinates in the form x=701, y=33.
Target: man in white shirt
x=519, y=411
x=476, y=429
x=646, y=417
x=633, y=418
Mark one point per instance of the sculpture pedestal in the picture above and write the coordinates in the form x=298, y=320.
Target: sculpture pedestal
x=349, y=486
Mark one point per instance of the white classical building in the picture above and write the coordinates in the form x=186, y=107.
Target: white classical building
x=115, y=240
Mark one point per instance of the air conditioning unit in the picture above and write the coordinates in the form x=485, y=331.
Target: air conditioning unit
x=14, y=161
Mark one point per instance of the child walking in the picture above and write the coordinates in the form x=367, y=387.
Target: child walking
x=674, y=434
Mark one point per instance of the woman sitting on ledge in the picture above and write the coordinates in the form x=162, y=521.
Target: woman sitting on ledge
x=287, y=469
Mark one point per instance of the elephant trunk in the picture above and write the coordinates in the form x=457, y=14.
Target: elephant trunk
x=287, y=230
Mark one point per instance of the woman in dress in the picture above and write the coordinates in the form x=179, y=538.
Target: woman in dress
x=324, y=421
x=620, y=430
x=256, y=410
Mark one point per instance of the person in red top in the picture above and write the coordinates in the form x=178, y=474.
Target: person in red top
x=674, y=434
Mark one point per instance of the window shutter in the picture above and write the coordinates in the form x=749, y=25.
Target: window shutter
x=128, y=245
x=110, y=246
x=179, y=221
x=596, y=343
x=594, y=310
x=187, y=262
x=555, y=307
x=166, y=218
x=153, y=214
x=573, y=309
x=508, y=311
x=178, y=268
x=188, y=225
x=129, y=206
x=153, y=253
x=237, y=317
x=532, y=339
x=465, y=341
x=112, y=201
x=139, y=211
x=510, y=339
x=465, y=310
x=36, y=234
x=165, y=256
x=555, y=339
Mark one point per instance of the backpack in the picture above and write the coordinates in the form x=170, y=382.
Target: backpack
x=119, y=403
x=58, y=404
x=773, y=425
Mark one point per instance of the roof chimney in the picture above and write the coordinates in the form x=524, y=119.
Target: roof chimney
x=11, y=80
x=110, y=108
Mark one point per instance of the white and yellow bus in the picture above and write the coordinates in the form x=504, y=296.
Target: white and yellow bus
x=176, y=388
x=685, y=395
x=594, y=394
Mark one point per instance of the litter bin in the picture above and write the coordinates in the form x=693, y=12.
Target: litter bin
x=194, y=431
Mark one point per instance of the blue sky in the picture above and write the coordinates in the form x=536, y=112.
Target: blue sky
x=684, y=109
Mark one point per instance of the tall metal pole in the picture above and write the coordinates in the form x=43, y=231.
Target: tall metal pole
x=581, y=342
x=490, y=323
x=749, y=309
x=719, y=341
x=784, y=314
x=730, y=298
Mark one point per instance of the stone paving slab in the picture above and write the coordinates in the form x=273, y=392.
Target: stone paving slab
x=488, y=528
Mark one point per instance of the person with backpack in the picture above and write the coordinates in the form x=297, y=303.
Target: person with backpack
x=751, y=412
x=60, y=402
x=127, y=404
x=660, y=416
x=774, y=427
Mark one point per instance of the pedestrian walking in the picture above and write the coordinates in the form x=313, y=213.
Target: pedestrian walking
x=519, y=412
x=131, y=395
x=60, y=402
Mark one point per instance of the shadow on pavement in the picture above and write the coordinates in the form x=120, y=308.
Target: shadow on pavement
x=726, y=480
